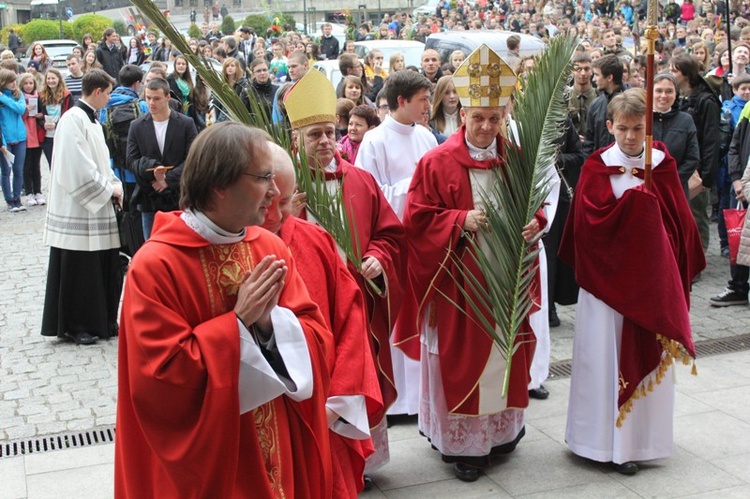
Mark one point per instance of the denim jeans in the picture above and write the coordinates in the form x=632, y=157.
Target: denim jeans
x=19, y=150
x=147, y=218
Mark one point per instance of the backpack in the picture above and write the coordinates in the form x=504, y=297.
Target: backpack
x=117, y=126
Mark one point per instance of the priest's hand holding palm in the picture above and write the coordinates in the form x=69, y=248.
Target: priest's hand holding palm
x=371, y=268
x=260, y=292
x=475, y=220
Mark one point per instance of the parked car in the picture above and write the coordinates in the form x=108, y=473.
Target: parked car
x=427, y=9
x=330, y=69
x=411, y=49
x=467, y=41
x=57, y=50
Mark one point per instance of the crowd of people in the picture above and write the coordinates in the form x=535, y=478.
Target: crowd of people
x=254, y=364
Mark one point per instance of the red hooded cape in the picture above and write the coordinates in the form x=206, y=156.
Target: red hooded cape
x=179, y=429
x=339, y=298
x=638, y=254
x=439, y=197
x=380, y=234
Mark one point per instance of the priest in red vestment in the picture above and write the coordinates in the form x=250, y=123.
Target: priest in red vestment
x=223, y=356
x=635, y=251
x=311, y=106
x=354, y=396
x=462, y=412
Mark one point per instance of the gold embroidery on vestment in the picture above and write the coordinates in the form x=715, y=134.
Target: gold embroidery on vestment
x=224, y=267
x=266, y=424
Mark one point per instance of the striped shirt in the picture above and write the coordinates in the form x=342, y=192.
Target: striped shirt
x=74, y=85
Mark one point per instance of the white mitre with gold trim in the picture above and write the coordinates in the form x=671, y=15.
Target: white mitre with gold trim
x=484, y=79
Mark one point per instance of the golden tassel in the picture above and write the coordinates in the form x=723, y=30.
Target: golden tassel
x=694, y=371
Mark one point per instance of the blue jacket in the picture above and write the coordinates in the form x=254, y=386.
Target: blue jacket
x=734, y=106
x=121, y=95
x=11, y=120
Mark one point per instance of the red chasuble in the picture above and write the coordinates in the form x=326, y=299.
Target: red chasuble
x=339, y=298
x=179, y=429
x=439, y=197
x=638, y=254
x=381, y=235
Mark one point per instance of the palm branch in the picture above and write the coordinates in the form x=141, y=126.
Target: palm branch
x=327, y=207
x=501, y=299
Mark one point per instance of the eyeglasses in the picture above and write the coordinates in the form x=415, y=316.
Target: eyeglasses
x=384, y=107
x=266, y=179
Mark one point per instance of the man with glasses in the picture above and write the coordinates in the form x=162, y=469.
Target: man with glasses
x=381, y=102
x=581, y=94
x=349, y=65
x=158, y=144
x=375, y=229
x=223, y=356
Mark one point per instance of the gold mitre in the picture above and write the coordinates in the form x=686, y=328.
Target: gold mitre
x=311, y=100
x=484, y=79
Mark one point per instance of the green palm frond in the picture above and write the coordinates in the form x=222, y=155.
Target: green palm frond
x=327, y=207
x=518, y=191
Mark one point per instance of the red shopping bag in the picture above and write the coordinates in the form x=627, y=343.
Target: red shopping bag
x=734, y=220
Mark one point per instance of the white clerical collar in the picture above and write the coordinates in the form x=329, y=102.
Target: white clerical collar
x=398, y=126
x=208, y=230
x=615, y=157
x=88, y=105
x=482, y=154
x=332, y=166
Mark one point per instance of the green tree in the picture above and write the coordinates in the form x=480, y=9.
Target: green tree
x=92, y=24
x=227, y=25
x=194, y=32
x=18, y=28
x=287, y=21
x=40, y=29
x=258, y=22
x=120, y=28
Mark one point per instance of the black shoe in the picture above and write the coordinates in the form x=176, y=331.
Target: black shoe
x=540, y=393
x=554, y=320
x=82, y=338
x=629, y=468
x=728, y=298
x=368, y=482
x=465, y=473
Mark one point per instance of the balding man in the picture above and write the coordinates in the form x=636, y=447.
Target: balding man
x=376, y=232
x=354, y=397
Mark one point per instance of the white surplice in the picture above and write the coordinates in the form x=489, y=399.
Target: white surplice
x=592, y=410
x=390, y=152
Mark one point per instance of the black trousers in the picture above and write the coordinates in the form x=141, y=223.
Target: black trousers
x=32, y=176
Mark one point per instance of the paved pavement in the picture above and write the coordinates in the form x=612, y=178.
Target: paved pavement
x=49, y=387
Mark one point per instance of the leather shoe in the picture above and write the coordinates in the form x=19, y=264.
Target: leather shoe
x=465, y=473
x=540, y=393
x=368, y=482
x=82, y=338
x=629, y=468
x=554, y=320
